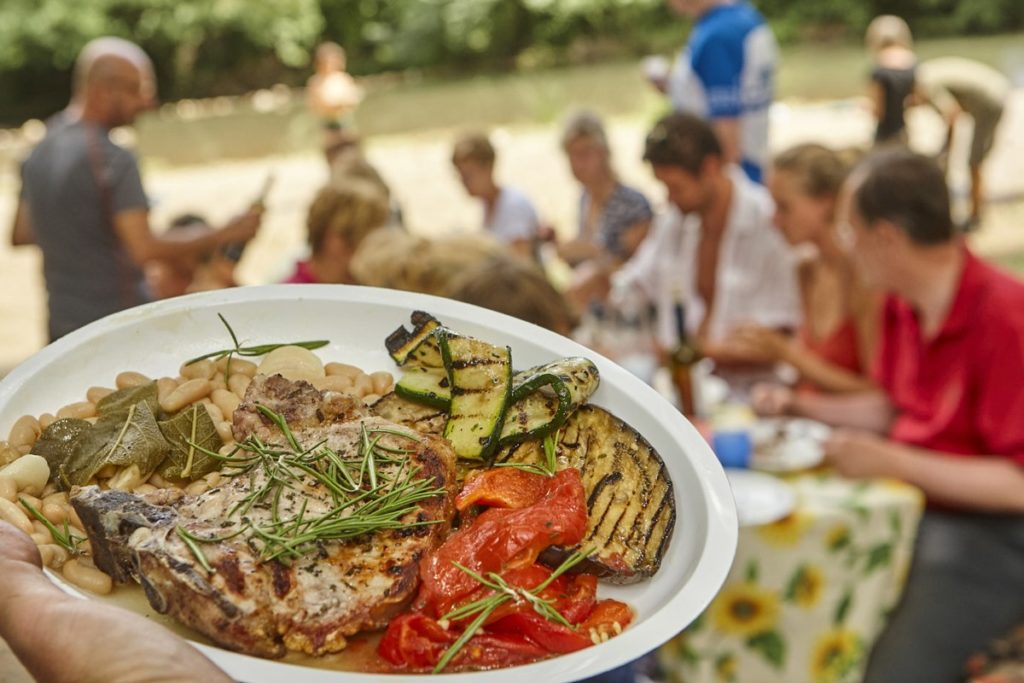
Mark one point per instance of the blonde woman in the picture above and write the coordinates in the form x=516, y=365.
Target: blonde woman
x=835, y=345
x=613, y=218
x=342, y=214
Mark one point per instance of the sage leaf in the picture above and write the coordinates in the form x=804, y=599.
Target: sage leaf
x=57, y=442
x=130, y=439
x=119, y=402
x=185, y=431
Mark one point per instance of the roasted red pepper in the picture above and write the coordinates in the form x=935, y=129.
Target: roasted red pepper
x=417, y=642
x=608, y=618
x=501, y=539
x=501, y=487
x=506, y=541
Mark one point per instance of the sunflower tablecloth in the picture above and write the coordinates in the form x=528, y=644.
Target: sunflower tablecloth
x=808, y=595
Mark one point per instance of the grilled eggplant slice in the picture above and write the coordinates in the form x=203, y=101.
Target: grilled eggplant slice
x=544, y=396
x=630, y=501
x=481, y=379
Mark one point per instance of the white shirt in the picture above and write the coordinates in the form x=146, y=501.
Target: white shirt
x=755, y=280
x=514, y=217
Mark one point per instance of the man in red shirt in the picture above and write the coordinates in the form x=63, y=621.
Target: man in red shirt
x=948, y=415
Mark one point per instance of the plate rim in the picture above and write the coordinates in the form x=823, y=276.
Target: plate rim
x=715, y=551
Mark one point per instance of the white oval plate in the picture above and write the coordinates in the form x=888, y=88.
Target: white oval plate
x=155, y=339
x=786, y=444
x=760, y=498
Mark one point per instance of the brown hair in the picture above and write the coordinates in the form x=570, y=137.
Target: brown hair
x=819, y=171
x=908, y=190
x=473, y=147
x=349, y=206
x=682, y=140
x=511, y=285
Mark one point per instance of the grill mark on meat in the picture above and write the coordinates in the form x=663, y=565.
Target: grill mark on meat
x=315, y=602
x=229, y=570
x=282, y=579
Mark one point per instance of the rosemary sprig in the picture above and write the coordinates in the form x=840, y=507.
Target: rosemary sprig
x=550, y=465
x=66, y=539
x=257, y=350
x=372, y=491
x=503, y=593
x=192, y=542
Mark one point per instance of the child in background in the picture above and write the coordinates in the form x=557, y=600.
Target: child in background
x=214, y=269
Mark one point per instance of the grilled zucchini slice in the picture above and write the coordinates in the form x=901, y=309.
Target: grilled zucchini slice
x=425, y=385
x=544, y=396
x=402, y=343
x=630, y=502
x=480, y=375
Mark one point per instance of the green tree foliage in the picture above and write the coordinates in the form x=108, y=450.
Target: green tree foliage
x=203, y=47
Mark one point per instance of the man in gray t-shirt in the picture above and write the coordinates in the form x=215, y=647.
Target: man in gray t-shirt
x=75, y=182
x=82, y=200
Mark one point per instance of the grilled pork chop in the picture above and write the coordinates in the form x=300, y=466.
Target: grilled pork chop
x=309, y=603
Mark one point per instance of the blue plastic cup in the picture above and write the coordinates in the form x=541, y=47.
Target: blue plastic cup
x=733, y=447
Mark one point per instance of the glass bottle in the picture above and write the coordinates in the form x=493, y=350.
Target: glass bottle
x=682, y=359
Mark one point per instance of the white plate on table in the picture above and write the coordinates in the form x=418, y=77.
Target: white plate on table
x=786, y=444
x=760, y=498
x=155, y=339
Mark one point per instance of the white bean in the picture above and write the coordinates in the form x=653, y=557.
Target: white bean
x=41, y=538
x=189, y=392
x=213, y=478
x=54, y=556
x=8, y=488
x=362, y=385
x=127, y=479
x=370, y=399
x=164, y=387
x=24, y=432
x=145, y=488
x=339, y=383
x=86, y=577
x=129, y=379
x=55, y=513
x=226, y=401
x=242, y=366
x=12, y=514
x=214, y=412
x=224, y=431
x=96, y=394
x=238, y=384
x=8, y=453
x=75, y=519
x=201, y=369
x=343, y=369
x=197, y=487
x=47, y=419
x=382, y=382
x=219, y=382
x=79, y=410
x=29, y=472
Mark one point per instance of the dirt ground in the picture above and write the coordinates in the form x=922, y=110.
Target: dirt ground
x=417, y=168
